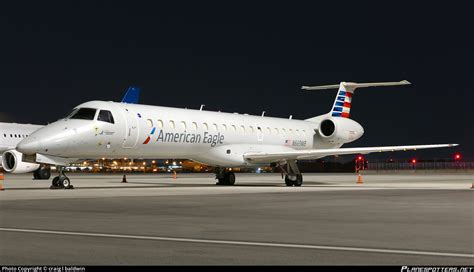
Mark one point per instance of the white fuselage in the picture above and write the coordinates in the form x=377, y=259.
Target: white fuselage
x=142, y=131
x=12, y=133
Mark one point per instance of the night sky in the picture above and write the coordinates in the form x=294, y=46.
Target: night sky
x=248, y=59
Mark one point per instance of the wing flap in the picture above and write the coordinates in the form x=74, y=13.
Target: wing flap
x=264, y=157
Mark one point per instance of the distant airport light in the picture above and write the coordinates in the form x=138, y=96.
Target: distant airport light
x=413, y=161
x=457, y=157
x=144, y=163
x=359, y=158
x=153, y=162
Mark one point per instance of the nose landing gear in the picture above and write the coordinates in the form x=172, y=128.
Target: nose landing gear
x=61, y=181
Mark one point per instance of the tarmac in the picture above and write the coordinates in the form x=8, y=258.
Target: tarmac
x=153, y=219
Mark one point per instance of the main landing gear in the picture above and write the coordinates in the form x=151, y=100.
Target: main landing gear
x=61, y=181
x=225, y=177
x=293, y=176
x=43, y=172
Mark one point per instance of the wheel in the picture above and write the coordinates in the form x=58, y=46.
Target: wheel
x=299, y=180
x=45, y=173
x=230, y=178
x=288, y=182
x=55, y=182
x=64, y=182
x=36, y=174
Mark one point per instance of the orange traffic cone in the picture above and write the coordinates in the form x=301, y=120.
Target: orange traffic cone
x=174, y=175
x=359, y=179
x=124, y=179
x=2, y=178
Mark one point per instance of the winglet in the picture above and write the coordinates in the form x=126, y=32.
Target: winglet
x=132, y=95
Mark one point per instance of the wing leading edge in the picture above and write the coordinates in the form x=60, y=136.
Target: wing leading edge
x=264, y=157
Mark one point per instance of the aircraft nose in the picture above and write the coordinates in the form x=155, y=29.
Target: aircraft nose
x=28, y=146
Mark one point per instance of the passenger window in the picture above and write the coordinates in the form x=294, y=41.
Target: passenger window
x=242, y=128
x=251, y=129
x=4, y=135
x=195, y=126
x=224, y=127
x=172, y=126
x=105, y=116
x=84, y=114
x=183, y=125
x=269, y=131
x=149, y=123
x=276, y=130
x=214, y=127
x=205, y=126
x=159, y=124
x=234, y=128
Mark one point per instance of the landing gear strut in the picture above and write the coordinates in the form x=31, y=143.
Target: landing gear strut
x=61, y=181
x=225, y=177
x=293, y=176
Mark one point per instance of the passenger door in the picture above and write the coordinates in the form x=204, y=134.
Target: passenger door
x=132, y=128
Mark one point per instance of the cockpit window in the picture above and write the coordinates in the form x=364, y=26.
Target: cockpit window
x=83, y=113
x=105, y=116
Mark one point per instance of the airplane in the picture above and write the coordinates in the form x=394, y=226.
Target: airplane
x=101, y=129
x=12, y=133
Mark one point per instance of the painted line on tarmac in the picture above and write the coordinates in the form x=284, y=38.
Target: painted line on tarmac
x=241, y=243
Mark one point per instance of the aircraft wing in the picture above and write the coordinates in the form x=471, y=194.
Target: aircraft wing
x=268, y=157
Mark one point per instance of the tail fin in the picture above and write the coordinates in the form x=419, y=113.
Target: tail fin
x=132, y=95
x=342, y=103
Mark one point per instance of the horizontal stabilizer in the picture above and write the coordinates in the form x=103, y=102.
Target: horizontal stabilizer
x=265, y=157
x=354, y=85
x=342, y=103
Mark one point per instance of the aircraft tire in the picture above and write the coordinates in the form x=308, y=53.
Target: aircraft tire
x=55, y=182
x=299, y=180
x=64, y=182
x=230, y=178
x=288, y=182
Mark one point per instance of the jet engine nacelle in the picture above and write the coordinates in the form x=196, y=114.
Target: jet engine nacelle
x=12, y=163
x=337, y=130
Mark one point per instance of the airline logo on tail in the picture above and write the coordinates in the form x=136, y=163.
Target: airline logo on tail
x=342, y=105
